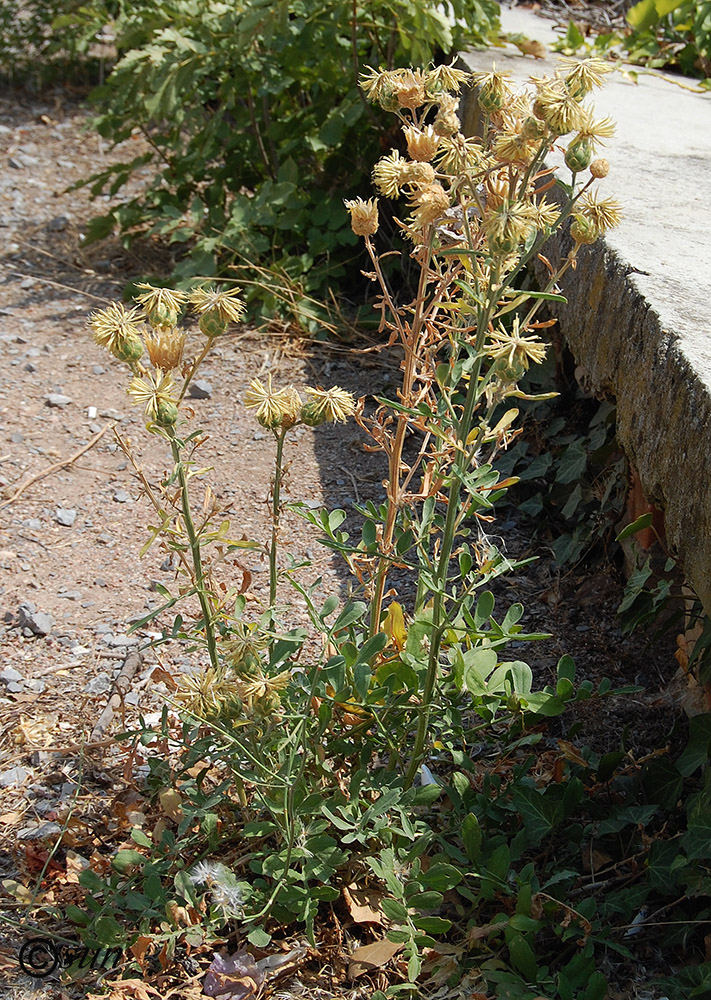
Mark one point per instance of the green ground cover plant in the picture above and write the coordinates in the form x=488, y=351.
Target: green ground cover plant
x=394, y=745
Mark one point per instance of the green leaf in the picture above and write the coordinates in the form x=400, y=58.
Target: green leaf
x=140, y=838
x=126, y=859
x=394, y=910
x=471, y=836
x=259, y=937
x=643, y=15
x=441, y=876
x=539, y=812
x=639, y=524
x=107, y=931
x=697, y=751
x=626, y=816
x=662, y=783
x=522, y=956
x=432, y=925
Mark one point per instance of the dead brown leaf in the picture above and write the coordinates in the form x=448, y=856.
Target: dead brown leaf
x=373, y=956
x=363, y=904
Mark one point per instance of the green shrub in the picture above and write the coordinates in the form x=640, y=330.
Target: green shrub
x=256, y=124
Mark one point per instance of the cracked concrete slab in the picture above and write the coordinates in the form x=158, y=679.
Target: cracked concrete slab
x=638, y=316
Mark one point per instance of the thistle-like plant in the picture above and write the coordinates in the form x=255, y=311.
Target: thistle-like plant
x=477, y=210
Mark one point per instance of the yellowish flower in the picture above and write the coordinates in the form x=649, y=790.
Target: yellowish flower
x=334, y=405
x=217, y=308
x=557, y=107
x=410, y=89
x=390, y=173
x=373, y=81
x=458, y=154
x=274, y=407
x=514, y=348
x=603, y=213
x=114, y=324
x=513, y=147
x=162, y=305
x=364, y=216
x=155, y=393
x=507, y=226
x=585, y=74
x=447, y=78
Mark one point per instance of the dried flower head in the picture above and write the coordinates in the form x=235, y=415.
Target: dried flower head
x=507, y=226
x=165, y=346
x=334, y=405
x=446, y=78
x=494, y=89
x=604, y=213
x=222, y=883
x=217, y=308
x=458, y=154
x=261, y=693
x=155, y=393
x=372, y=82
x=245, y=640
x=162, y=305
x=514, y=147
x=274, y=407
x=558, y=108
x=116, y=328
x=410, y=88
x=585, y=75
x=600, y=168
x=517, y=351
x=429, y=203
x=390, y=173
x=364, y=216
x=421, y=143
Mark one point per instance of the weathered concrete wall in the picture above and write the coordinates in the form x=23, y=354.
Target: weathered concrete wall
x=638, y=318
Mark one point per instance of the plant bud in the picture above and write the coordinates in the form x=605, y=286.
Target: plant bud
x=491, y=98
x=364, y=216
x=387, y=98
x=599, y=168
x=583, y=230
x=163, y=317
x=312, y=414
x=128, y=349
x=212, y=323
x=166, y=413
x=579, y=154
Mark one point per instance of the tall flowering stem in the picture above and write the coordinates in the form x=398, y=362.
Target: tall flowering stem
x=195, y=551
x=276, y=516
x=478, y=213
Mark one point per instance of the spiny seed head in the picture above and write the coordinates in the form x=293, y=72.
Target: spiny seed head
x=583, y=230
x=419, y=173
x=334, y=405
x=364, y=216
x=130, y=349
x=162, y=305
x=494, y=90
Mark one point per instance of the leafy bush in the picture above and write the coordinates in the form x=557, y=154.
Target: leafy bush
x=42, y=41
x=256, y=124
x=662, y=33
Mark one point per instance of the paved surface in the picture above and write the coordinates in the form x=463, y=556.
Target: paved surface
x=638, y=318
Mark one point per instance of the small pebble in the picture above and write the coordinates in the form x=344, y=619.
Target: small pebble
x=99, y=684
x=57, y=400
x=200, y=389
x=32, y=621
x=14, y=776
x=121, y=496
x=65, y=516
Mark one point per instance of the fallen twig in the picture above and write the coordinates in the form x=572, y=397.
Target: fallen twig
x=121, y=686
x=55, y=467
